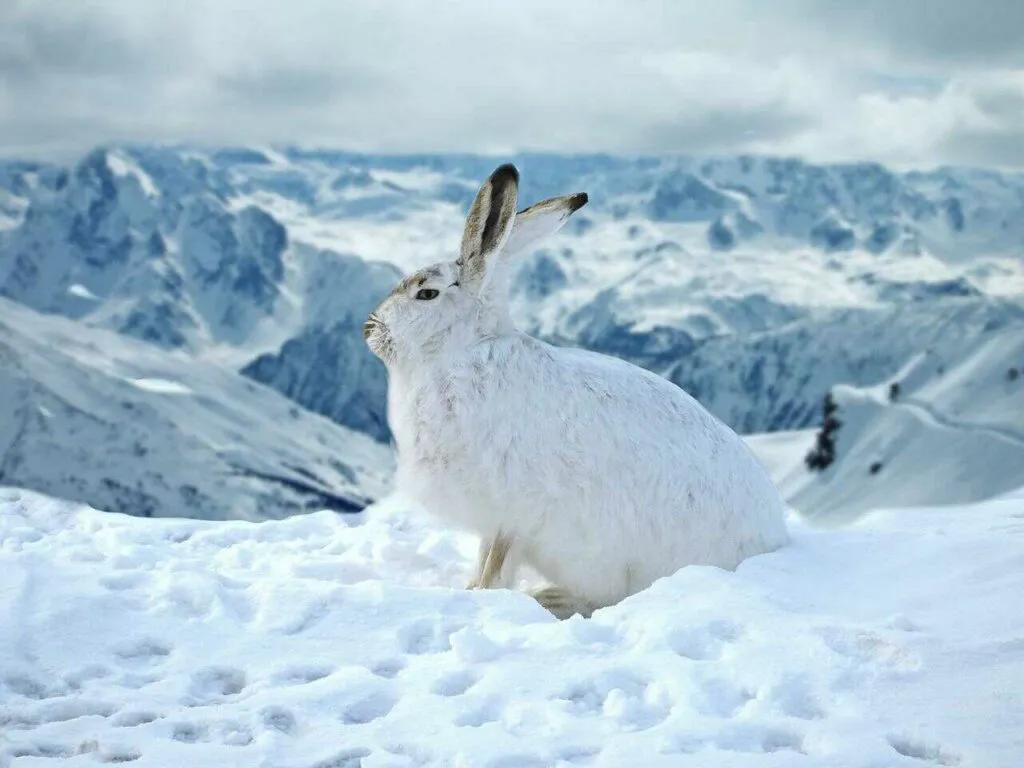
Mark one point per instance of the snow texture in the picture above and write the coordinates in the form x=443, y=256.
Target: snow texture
x=324, y=640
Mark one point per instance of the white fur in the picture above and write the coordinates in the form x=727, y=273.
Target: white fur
x=603, y=476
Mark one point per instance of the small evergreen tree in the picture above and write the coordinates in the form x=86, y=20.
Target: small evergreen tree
x=824, y=451
x=894, y=390
x=1013, y=374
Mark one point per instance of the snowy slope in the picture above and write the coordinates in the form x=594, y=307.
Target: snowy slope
x=775, y=379
x=98, y=417
x=954, y=433
x=328, y=640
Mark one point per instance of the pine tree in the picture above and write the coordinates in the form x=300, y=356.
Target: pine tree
x=824, y=451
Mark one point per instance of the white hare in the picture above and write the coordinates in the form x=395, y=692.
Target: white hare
x=600, y=475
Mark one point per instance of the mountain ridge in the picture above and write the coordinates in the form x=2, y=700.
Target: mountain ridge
x=756, y=283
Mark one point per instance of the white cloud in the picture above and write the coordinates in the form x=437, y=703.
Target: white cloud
x=913, y=83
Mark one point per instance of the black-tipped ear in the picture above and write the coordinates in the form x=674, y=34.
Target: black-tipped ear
x=490, y=220
x=539, y=221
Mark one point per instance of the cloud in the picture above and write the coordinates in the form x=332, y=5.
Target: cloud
x=926, y=33
x=281, y=87
x=912, y=83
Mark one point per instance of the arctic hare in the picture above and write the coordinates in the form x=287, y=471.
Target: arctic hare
x=600, y=475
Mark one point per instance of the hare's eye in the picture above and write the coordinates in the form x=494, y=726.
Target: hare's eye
x=426, y=294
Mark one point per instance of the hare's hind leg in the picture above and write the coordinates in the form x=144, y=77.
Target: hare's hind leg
x=495, y=568
x=562, y=603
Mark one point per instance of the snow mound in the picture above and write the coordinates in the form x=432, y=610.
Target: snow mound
x=346, y=641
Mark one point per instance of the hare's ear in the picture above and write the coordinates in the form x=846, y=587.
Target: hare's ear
x=489, y=222
x=539, y=221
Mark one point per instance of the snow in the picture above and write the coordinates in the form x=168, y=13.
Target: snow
x=81, y=292
x=123, y=165
x=327, y=640
x=782, y=453
x=162, y=386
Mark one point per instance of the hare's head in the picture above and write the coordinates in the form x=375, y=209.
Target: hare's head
x=454, y=303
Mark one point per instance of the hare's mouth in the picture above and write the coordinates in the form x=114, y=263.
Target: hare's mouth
x=376, y=335
x=372, y=324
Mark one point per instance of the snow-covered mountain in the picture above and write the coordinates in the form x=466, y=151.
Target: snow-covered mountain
x=128, y=427
x=947, y=428
x=755, y=283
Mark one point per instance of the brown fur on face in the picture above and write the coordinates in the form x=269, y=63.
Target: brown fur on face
x=415, y=281
x=375, y=330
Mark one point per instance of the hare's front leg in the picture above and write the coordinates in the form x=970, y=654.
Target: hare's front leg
x=481, y=562
x=495, y=568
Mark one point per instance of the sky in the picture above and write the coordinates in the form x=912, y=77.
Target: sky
x=911, y=83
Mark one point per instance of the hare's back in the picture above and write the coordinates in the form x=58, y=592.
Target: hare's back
x=610, y=392
x=620, y=415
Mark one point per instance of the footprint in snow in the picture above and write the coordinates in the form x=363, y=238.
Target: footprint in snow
x=45, y=749
x=388, y=668
x=124, y=581
x=215, y=683
x=190, y=733
x=145, y=651
x=758, y=738
x=579, y=755
x=476, y=714
x=872, y=649
x=76, y=678
x=746, y=738
x=30, y=688
x=706, y=643
x=427, y=636
x=369, y=708
x=133, y=719
x=794, y=696
x=718, y=697
x=103, y=753
x=301, y=675
x=348, y=758
x=454, y=683
x=234, y=734
x=278, y=719
x=63, y=710
x=920, y=750
x=118, y=755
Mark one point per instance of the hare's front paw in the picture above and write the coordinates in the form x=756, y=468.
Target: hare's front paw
x=562, y=603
